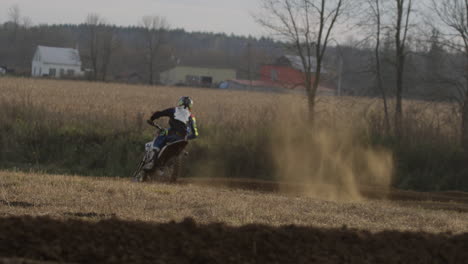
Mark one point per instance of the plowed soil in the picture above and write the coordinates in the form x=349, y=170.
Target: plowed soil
x=117, y=241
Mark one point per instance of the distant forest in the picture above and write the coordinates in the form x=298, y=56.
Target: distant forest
x=124, y=53
x=128, y=55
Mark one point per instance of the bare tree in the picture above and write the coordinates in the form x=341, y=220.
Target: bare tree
x=454, y=16
x=93, y=22
x=14, y=17
x=403, y=13
x=154, y=28
x=101, y=44
x=376, y=19
x=252, y=57
x=27, y=22
x=108, y=45
x=307, y=25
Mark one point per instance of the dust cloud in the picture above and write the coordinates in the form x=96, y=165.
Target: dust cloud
x=327, y=162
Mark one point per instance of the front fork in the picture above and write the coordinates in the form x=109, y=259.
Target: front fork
x=152, y=150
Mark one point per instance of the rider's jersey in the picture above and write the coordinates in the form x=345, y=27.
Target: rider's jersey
x=181, y=121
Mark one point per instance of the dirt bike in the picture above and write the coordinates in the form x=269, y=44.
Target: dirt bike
x=167, y=162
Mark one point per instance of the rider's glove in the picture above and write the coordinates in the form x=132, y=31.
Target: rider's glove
x=149, y=121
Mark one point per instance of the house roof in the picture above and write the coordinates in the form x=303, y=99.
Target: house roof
x=296, y=63
x=183, y=66
x=55, y=55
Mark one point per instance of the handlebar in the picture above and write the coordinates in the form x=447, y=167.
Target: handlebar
x=151, y=123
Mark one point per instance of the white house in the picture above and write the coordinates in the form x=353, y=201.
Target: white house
x=56, y=62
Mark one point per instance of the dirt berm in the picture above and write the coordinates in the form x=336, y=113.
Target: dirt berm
x=116, y=241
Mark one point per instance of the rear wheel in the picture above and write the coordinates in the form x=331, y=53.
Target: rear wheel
x=169, y=172
x=163, y=173
x=176, y=168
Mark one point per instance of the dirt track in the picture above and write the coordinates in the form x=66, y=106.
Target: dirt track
x=65, y=219
x=368, y=192
x=117, y=241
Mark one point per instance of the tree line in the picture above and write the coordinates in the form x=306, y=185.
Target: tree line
x=407, y=48
x=140, y=53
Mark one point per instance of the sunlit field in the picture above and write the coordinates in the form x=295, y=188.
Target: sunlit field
x=125, y=104
x=92, y=198
x=99, y=129
x=257, y=179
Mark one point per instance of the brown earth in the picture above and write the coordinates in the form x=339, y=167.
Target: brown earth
x=118, y=241
x=68, y=219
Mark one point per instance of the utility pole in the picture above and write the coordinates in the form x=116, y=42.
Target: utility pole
x=340, y=75
x=340, y=69
x=249, y=63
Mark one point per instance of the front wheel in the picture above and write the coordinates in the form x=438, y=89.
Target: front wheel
x=139, y=175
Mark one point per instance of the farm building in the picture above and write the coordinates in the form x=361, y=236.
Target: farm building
x=196, y=76
x=6, y=70
x=287, y=72
x=56, y=62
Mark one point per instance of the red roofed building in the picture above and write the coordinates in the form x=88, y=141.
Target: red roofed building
x=285, y=75
x=287, y=72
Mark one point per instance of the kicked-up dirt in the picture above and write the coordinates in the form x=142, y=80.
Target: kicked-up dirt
x=117, y=241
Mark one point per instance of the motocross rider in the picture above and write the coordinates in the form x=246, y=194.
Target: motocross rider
x=182, y=126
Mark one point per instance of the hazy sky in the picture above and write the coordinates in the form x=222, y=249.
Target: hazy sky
x=230, y=16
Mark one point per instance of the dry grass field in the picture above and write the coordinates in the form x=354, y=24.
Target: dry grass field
x=122, y=106
x=232, y=123
x=315, y=212
x=235, y=121
x=123, y=102
x=99, y=198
